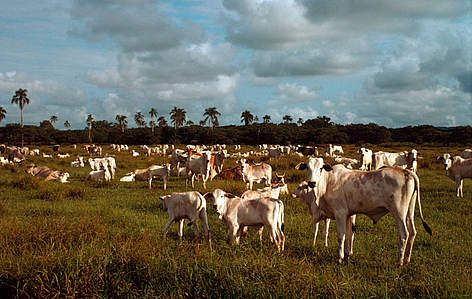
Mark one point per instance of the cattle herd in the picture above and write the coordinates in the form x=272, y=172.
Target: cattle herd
x=373, y=184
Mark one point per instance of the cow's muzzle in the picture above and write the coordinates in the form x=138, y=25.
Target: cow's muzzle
x=312, y=184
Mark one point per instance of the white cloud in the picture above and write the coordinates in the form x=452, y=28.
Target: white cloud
x=295, y=93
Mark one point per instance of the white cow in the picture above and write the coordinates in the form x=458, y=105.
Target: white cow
x=186, y=205
x=340, y=193
x=332, y=149
x=467, y=154
x=198, y=164
x=237, y=213
x=255, y=173
x=403, y=159
x=366, y=158
x=79, y=162
x=458, y=169
x=129, y=177
x=153, y=171
x=99, y=175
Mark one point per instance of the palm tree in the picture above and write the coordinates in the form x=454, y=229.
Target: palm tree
x=53, y=119
x=177, y=115
x=287, y=119
x=21, y=99
x=247, y=117
x=162, y=122
x=266, y=119
x=212, y=117
x=139, y=119
x=153, y=114
x=2, y=113
x=300, y=121
x=89, y=124
x=67, y=124
x=122, y=122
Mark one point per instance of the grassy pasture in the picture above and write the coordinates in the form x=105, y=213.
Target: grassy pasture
x=105, y=239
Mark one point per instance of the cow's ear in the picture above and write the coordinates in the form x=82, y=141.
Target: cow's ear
x=229, y=195
x=300, y=166
x=327, y=167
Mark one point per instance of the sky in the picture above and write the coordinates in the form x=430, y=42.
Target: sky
x=394, y=63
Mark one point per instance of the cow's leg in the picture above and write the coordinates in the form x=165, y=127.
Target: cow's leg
x=411, y=235
x=193, y=180
x=327, y=222
x=273, y=233
x=315, y=231
x=181, y=230
x=233, y=231
x=402, y=237
x=204, y=179
x=349, y=237
x=150, y=183
x=166, y=226
x=165, y=182
x=197, y=229
x=460, y=190
x=353, y=225
x=341, y=228
x=206, y=230
x=260, y=231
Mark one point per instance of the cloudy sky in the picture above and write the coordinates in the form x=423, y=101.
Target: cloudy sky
x=395, y=63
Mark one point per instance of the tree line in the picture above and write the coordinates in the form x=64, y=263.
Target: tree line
x=320, y=130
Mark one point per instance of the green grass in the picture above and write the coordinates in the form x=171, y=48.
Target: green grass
x=105, y=240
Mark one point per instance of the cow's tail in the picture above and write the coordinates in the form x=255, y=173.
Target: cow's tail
x=417, y=190
x=279, y=214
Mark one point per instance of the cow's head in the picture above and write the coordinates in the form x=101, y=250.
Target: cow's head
x=314, y=166
x=413, y=155
x=243, y=163
x=447, y=160
x=220, y=198
x=165, y=199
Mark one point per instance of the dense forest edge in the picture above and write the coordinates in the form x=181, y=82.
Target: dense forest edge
x=313, y=131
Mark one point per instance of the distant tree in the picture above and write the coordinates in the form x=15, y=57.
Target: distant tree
x=189, y=123
x=139, y=119
x=202, y=123
x=153, y=114
x=266, y=119
x=177, y=116
x=21, y=99
x=162, y=122
x=46, y=124
x=122, y=121
x=89, y=125
x=3, y=113
x=247, y=117
x=287, y=119
x=256, y=119
x=211, y=117
x=300, y=121
x=67, y=124
x=152, y=124
x=319, y=122
x=53, y=119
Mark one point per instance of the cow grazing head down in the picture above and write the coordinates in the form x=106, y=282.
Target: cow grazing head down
x=314, y=166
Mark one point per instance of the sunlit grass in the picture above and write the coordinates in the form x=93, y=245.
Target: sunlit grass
x=105, y=239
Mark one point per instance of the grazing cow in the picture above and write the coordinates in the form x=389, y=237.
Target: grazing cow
x=153, y=171
x=348, y=162
x=46, y=155
x=255, y=173
x=366, y=159
x=34, y=152
x=237, y=213
x=134, y=153
x=334, y=148
x=339, y=193
x=467, y=154
x=63, y=156
x=458, y=169
x=15, y=154
x=198, y=164
x=403, y=159
x=308, y=150
x=47, y=174
x=98, y=175
x=177, y=158
x=129, y=177
x=231, y=173
x=4, y=161
x=186, y=205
